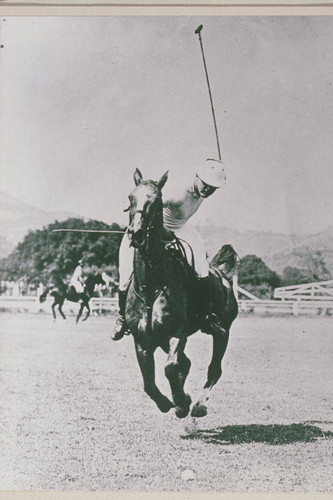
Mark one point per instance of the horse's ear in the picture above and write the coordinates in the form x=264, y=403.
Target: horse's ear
x=137, y=177
x=163, y=180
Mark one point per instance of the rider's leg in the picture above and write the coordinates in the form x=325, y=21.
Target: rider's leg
x=121, y=326
x=126, y=255
x=210, y=322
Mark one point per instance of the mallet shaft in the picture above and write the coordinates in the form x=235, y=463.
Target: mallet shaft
x=198, y=32
x=86, y=231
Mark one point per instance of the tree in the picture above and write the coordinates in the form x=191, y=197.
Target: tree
x=256, y=277
x=43, y=255
x=310, y=268
x=294, y=276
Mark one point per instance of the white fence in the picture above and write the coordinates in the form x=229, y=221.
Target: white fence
x=32, y=304
x=295, y=307
x=99, y=305
x=320, y=290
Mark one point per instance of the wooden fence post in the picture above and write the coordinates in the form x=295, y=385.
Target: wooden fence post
x=295, y=308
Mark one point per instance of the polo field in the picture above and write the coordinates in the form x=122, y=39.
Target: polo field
x=74, y=415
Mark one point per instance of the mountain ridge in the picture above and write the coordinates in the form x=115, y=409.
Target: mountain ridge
x=277, y=250
x=17, y=218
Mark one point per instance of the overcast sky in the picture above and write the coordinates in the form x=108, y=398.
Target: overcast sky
x=87, y=100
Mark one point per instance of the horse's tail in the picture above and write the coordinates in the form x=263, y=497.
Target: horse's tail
x=43, y=296
x=227, y=262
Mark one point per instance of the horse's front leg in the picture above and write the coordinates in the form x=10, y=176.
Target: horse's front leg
x=80, y=312
x=176, y=370
x=147, y=365
x=214, y=373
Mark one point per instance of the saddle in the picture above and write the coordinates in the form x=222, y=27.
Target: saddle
x=176, y=249
x=72, y=294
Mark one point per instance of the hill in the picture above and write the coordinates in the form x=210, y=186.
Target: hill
x=276, y=250
x=17, y=218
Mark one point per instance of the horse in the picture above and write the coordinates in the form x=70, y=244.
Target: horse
x=61, y=292
x=161, y=301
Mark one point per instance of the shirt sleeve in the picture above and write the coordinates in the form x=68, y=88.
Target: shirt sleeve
x=175, y=190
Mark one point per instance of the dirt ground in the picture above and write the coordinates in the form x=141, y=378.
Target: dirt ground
x=74, y=415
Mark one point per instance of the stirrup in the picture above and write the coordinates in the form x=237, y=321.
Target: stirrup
x=120, y=329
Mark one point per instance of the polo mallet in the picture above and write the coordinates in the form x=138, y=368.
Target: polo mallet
x=86, y=231
x=198, y=32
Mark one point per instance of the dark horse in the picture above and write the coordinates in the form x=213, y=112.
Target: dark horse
x=61, y=292
x=161, y=301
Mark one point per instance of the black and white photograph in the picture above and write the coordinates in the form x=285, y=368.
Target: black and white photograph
x=166, y=257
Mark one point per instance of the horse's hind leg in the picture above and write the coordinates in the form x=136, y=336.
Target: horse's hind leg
x=88, y=312
x=214, y=373
x=53, y=311
x=176, y=370
x=80, y=312
x=61, y=311
x=147, y=366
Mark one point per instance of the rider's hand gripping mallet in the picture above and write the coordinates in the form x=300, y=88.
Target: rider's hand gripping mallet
x=198, y=32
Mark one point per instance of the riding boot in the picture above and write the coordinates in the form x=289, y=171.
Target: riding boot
x=121, y=326
x=209, y=321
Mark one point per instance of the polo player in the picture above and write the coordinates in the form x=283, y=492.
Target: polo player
x=178, y=207
x=76, y=280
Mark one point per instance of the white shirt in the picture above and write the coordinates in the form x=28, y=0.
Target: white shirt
x=179, y=204
x=77, y=275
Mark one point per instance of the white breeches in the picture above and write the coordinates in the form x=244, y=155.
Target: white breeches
x=126, y=256
x=187, y=234
x=77, y=285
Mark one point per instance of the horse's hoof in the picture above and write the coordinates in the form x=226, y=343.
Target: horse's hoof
x=165, y=407
x=183, y=411
x=117, y=336
x=199, y=410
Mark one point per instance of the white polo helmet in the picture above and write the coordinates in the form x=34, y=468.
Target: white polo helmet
x=211, y=172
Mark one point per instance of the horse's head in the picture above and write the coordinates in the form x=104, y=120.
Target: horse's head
x=145, y=210
x=91, y=281
x=42, y=297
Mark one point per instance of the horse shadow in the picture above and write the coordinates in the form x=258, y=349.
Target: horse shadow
x=272, y=434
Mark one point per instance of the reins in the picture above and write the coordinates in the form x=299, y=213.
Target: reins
x=149, y=227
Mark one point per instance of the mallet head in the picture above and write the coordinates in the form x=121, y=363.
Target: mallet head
x=199, y=28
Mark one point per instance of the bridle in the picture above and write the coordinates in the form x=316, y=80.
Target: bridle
x=148, y=226
x=145, y=250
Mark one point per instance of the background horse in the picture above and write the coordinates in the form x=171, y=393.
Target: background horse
x=61, y=292
x=162, y=297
